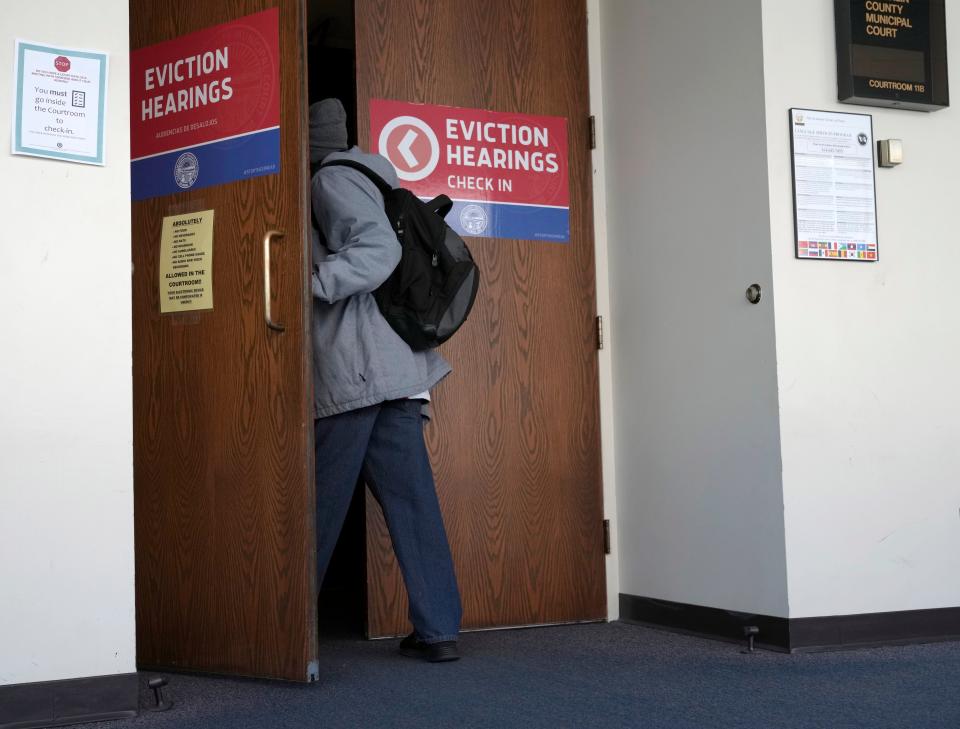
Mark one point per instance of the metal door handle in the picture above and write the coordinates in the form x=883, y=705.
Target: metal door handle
x=267, y=239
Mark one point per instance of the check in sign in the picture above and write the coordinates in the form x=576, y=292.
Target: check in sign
x=205, y=107
x=60, y=102
x=507, y=173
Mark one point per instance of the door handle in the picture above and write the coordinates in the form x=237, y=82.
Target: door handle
x=267, y=239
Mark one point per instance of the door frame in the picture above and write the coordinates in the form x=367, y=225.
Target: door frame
x=601, y=251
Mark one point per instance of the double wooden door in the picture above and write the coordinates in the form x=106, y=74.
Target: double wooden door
x=224, y=498
x=223, y=481
x=515, y=440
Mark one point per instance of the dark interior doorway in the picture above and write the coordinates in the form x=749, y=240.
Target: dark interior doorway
x=331, y=62
x=332, y=56
x=342, y=603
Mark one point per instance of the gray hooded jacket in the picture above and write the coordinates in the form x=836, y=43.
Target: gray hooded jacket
x=358, y=360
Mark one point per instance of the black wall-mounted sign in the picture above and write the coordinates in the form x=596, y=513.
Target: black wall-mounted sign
x=892, y=53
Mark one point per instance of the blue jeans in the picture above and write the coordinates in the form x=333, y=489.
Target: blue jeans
x=384, y=444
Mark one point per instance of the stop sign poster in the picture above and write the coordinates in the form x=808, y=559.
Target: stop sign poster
x=505, y=172
x=205, y=107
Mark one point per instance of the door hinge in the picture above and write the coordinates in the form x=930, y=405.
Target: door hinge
x=606, y=536
x=599, y=332
x=593, y=132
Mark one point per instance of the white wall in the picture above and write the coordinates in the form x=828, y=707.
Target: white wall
x=699, y=500
x=66, y=464
x=868, y=353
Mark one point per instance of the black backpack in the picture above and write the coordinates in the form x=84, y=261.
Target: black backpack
x=431, y=291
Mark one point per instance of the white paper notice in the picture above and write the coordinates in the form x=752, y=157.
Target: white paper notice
x=833, y=185
x=60, y=101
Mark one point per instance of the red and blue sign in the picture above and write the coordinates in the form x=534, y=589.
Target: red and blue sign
x=205, y=107
x=506, y=173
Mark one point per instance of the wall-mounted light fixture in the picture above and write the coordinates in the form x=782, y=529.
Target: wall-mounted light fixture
x=890, y=152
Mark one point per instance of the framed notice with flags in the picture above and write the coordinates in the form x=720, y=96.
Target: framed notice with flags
x=834, y=191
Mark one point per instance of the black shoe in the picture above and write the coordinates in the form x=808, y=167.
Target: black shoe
x=413, y=647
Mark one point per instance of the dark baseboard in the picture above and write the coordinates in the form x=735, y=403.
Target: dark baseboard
x=705, y=621
x=834, y=632
x=874, y=629
x=72, y=701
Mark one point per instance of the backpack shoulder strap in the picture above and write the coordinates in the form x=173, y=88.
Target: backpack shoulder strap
x=381, y=184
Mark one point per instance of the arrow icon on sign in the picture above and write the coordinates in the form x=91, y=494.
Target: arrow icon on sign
x=411, y=131
x=404, y=148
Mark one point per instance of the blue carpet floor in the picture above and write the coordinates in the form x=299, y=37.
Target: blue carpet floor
x=608, y=675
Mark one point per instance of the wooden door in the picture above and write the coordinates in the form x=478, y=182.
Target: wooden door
x=515, y=439
x=224, y=501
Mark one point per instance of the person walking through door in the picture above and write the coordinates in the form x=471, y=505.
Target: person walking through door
x=370, y=387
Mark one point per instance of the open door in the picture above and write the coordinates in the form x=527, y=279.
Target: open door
x=223, y=452
x=515, y=440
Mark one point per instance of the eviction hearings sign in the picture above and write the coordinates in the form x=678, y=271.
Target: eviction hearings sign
x=205, y=107
x=506, y=172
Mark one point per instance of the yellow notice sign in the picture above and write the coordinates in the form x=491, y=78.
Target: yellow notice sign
x=186, y=262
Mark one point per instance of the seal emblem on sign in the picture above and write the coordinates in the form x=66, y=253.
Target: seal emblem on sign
x=186, y=169
x=473, y=218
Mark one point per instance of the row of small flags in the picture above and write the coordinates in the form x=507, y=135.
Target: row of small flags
x=827, y=249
